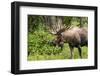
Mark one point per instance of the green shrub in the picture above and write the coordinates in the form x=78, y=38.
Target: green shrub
x=38, y=43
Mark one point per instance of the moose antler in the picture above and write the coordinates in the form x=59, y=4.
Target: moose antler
x=55, y=24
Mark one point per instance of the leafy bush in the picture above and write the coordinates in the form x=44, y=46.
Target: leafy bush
x=38, y=43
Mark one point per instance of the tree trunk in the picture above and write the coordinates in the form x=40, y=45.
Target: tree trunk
x=54, y=23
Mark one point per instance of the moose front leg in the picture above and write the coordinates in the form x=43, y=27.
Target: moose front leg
x=71, y=50
x=61, y=44
x=80, y=51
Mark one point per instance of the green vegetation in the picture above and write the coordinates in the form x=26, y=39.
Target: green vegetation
x=38, y=43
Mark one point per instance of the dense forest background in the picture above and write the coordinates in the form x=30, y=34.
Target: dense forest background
x=39, y=36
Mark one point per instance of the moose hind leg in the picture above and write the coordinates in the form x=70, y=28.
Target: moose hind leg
x=71, y=50
x=80, y=51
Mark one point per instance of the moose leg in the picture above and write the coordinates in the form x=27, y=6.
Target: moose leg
x=71, y=50
x=61, y=47
x=61, y=44
x=80, y=51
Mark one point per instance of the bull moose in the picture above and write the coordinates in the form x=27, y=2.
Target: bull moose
x=75, y=37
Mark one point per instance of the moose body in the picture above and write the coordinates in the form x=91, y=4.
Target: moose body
x=75, y=37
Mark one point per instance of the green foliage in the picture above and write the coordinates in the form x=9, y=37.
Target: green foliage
x=38, y=43
x=34, y=22
x=67, y=20
x=64, y=54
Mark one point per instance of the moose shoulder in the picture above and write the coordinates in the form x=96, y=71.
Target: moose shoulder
x=75, y=37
